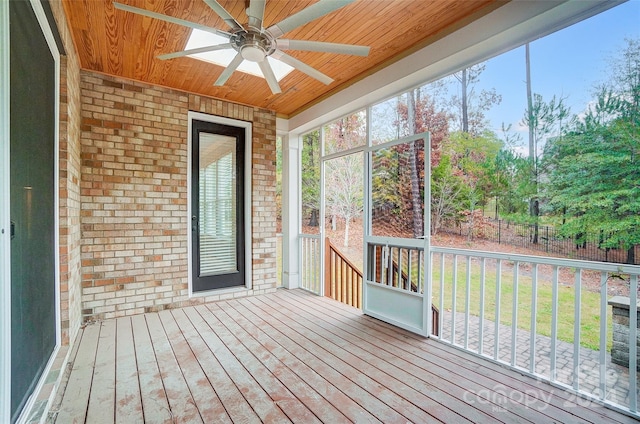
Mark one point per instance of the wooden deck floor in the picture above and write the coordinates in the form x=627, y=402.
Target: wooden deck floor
x=293, y=357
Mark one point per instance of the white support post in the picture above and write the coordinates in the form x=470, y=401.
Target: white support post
x=633, y=343
x=427, y=238
x=290, y=211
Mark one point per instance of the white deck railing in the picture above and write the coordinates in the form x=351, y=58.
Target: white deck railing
x=310, y=261
x=547, y=317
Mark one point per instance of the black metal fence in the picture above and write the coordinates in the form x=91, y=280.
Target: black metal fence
x=549, y=240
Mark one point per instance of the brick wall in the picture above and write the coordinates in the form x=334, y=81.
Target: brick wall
x=134, y=196
x=69, y=184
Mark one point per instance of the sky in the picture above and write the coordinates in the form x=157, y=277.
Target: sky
x=567, y=63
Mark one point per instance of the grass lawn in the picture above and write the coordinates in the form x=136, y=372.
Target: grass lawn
x=590, y=302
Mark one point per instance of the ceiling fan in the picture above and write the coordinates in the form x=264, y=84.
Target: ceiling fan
x=255, y=43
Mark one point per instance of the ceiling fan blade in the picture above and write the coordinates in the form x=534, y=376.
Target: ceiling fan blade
x=308, y=14
x=267, y=71
x=195, y=51
x=222, y=12
x=170, y=19
x=256, y=13
x=301, y=66
x=224, y=76
x=320, y=46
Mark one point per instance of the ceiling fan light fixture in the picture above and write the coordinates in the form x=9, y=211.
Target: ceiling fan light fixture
x=253, y=53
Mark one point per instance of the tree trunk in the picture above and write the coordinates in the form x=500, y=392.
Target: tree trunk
x=631, y=255
x=415, y=175
x=347, y=224
x=465, y=107
x=536, y=213
x=534, y=207
x=313, y=220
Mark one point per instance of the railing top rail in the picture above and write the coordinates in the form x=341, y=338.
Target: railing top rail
x=309, y=236
x=542, y=260
x=404, y=243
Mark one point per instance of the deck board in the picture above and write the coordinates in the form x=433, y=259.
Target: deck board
x=128, y=399
x=237, y=408
x=154, y=399
x=397, y=371
x=439, y=382
x=363, y=375
x=494, y=376
x=290, y=356
x=183, y=408
x=76, y=396
x=285, y=376
x=101, y=404
x=209, y=406
x=348, y=406
x=254, y=386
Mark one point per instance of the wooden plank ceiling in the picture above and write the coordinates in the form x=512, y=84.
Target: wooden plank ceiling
x=125, y=44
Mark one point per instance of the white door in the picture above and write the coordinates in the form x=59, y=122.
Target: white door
x=397, y=285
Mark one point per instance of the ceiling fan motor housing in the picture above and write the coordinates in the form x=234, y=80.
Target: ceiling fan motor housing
x=254, y=46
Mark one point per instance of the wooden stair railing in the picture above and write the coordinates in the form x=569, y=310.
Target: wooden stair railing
x=343, y=280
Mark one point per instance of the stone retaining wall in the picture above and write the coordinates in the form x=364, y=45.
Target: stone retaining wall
x=620, y=348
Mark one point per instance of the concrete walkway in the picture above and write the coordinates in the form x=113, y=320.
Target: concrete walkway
x=587, y=372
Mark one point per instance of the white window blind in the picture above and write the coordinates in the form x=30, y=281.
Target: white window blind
x=217, y=205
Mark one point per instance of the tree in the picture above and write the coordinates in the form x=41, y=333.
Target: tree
x=417, y=115
x=345, y=189
x=470, y=158
x=344, y=180
x=447, y=191
x=426, y=117
x=471, y=105
x=416, y=205
x=310, y=176
x=544, y=120
x=594, y=170
x=345, y=133
x=506, y=181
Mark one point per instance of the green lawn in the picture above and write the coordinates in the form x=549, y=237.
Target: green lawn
x=590, y=303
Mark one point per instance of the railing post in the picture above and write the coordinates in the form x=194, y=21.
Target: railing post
x=547, y=238
x=327, y=267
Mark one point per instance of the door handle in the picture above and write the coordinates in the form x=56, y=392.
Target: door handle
x=13, y=230
x=194, y=223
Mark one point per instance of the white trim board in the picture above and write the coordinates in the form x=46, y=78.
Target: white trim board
x=248, y=187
